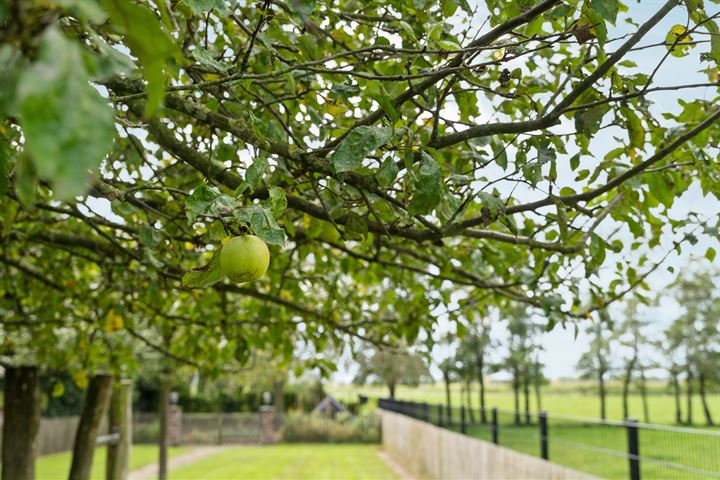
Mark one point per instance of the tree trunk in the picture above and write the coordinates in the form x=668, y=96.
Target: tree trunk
x=481, y=382
x=95, y=406
x=468, y=389
x=526, y=392
x=21, y=423
x=164, y=412
x=689, y=381
x=703, y=398
x=120, y=416
x=516, y=395
x=391, y=387
x=643, y=394
x=601, y=381
x=538, y=392
x=676, y=392
x=626, y=385
x=446, y=377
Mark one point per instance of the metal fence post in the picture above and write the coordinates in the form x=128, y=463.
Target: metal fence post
x=633, y=444
x=494, y=426
x=426, y=412
x=440, y=415
x=462, y=419
x=542, y=420
x=449, y=415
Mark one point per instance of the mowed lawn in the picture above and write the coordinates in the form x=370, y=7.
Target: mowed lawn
x=576, y=398
x=57, y=465
x=291, y=462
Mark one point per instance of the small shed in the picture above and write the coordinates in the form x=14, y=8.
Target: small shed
x=329, y=407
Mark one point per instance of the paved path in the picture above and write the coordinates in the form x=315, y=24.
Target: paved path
x=150, y=472
x=396, y=467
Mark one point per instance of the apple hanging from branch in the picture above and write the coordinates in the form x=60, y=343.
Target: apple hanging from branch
x=244, y=258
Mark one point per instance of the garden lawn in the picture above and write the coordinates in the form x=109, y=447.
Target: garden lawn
x=57, y=465
x=296, y=462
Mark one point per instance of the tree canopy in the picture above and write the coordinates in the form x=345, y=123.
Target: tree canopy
x=391, y=153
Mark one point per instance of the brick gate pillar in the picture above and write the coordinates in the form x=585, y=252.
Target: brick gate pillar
x=267, y=425
x=174, y=425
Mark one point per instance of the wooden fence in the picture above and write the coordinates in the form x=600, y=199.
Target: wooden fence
x=436, y=453
x=57, y=434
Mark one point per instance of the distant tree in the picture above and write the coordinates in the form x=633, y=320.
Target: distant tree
x=392, y=368
x=671, y=347
x=521, y=345
x=471, y=361
x=447, y=367
x=632, y=335
x=595, y=364
x=697, y=331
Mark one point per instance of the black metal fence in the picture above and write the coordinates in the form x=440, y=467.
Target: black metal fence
x=604, y=448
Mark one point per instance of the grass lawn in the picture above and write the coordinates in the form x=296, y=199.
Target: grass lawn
x=57, y=465
x=296, y=462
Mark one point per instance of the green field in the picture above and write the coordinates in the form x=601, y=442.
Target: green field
x=296, y=462
x=57, y=465
x=571, y=398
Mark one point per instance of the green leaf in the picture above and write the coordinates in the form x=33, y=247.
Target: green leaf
x=256, y=171
x=588, y=121
x=4, y=166
x=147, y=41
x=68, y=126
x=428, y=189
x=26, y=182
x=200, y=201
x=500, y=154
x=491, y=202
x=388, y=172
x=301, y=8
x=206, y=58
x=206, y=276
x=575, y=162
x=86, y=9
x=201, y=7
x=714, y=31
x=277, y=201
x=264, y=226
x=149, y=236
x=356, y=225
x=607, y=9
x=636, y=131
x=710, y=253
x=9, y=74
x=357, y=145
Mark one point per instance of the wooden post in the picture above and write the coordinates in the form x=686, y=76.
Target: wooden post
x=164, y=411
x=94, y=409
x=120, y=420
x=21, y=423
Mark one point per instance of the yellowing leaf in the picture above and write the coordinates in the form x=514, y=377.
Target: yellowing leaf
x=113, y=322
x=80, y=379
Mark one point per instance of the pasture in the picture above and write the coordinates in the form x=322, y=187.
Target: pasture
x=564, y=398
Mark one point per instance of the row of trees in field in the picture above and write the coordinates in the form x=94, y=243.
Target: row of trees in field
x=688, y=349
x=519, y=356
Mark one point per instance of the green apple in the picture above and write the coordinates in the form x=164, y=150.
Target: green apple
x=244, y=258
